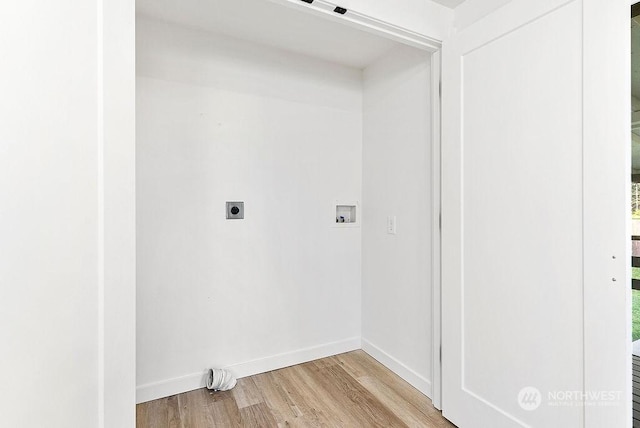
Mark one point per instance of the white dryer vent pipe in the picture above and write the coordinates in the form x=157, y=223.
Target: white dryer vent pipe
x=220, y=380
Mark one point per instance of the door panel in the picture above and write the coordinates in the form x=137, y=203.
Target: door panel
x=513, y=201
x=521, y=194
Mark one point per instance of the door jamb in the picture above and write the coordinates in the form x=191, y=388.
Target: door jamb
x=433, y=46
x=436, y=231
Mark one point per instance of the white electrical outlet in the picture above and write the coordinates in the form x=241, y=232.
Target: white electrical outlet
x=391, y=225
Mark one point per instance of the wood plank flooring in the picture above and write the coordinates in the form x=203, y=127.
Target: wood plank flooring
x=347, y=390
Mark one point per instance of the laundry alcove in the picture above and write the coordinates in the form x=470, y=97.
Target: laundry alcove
x=288, y=112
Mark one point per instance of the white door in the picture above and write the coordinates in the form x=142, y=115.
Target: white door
x=534, y=243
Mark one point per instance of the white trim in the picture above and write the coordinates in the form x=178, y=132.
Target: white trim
x=436, y=285
x=168, y=387
x=116, y=204
x=100, y=207
x=366, y=23
x=606, y=245
x=165, y=388
x=416, y=380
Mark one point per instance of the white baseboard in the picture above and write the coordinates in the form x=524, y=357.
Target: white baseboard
x=165, y=388
x=416, y=380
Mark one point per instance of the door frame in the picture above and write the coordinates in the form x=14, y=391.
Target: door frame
x=436, y=230
x=116, y=207
x=116, y=88
x=607, y=250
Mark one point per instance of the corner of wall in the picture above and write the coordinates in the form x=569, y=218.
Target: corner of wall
x=416, y=380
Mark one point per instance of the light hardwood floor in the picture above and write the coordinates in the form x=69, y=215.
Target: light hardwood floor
x=347, y=390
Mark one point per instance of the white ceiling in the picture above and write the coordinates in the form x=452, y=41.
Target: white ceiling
x=271, y=24
x=449, y=3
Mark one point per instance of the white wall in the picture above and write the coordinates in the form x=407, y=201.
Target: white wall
x=396, y=269
x=49, y=216
x=473, y=10
x=56, y=326
x=222, y=120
